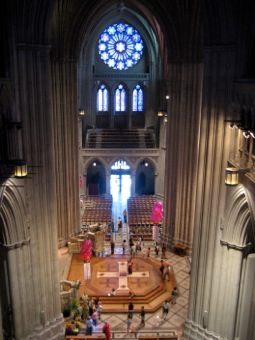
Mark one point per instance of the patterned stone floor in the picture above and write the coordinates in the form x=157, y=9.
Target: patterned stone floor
x=153, y=321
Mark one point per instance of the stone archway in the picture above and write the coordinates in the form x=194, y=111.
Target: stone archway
x=237, y=242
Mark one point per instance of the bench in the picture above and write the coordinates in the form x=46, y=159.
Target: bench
x=180, y=249
x=158, y=337
x=85, y=337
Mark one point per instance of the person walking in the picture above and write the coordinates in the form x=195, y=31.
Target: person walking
x=167, y=273
x=129, y=323
x=131, y=293
x=142, y=316
x=174, y=295
x=165, y=310
x=131, y=310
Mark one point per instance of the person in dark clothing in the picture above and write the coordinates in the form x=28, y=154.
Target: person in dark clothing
x=142, y=316
x=112, y=247
x=130, y=310
x=162, y=266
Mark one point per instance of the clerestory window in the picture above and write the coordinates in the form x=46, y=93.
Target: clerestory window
x=102, y=98
x=120, y=99
x=137, y=99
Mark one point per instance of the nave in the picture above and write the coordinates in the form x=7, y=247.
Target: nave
x=117, y=315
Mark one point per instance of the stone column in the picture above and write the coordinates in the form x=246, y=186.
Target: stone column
x=40, y=199
x=209, y=198
x=66, y=139
x=181, y=162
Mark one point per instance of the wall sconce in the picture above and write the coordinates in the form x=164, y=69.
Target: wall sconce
x=165, y=119
x=161, y=112
x=231, y=176
x=81, y=112
x=20, y=168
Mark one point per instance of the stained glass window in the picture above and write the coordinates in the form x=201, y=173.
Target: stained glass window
x=120, y=98
x=120, y=46
x=102, y=98
x=137, y=99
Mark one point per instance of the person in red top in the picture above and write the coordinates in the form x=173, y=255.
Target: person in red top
x=106, y=330
x=131, y=293
x=162, y=266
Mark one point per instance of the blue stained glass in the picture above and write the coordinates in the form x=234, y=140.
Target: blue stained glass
x=120, y=43
x=102, y=99
x=120, y=99
x=137, y=99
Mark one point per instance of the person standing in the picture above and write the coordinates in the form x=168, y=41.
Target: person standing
x=106, y=330
x=99, y=309
x=112, y=226
x=162, y=267
x=130, y=267
x=142, y=316
x=156, y=249
x=124, y=244
x=94, y=317
x=148, y=252
x=125, y=216
x=165, y=310
x=89, y=326
x=163, y=252
x=112, y=247
x=174, y=295
x=119, y=224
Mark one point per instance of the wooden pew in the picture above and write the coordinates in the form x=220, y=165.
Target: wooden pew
x=158, y=337
x=85, y=337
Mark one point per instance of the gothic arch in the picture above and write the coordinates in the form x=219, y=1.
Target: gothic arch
x=12, y=210
x=239, y=225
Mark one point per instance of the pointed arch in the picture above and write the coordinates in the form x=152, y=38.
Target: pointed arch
x=103, y=98
x=238, y=228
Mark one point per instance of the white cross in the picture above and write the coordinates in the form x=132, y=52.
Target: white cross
x=122, y=275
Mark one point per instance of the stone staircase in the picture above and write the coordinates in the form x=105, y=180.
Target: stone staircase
x=120, y=139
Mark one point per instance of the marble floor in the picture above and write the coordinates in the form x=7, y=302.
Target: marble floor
x=153, y=321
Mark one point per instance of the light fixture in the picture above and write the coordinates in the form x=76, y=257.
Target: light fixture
x=252, y=133
x=246, y=134
x=165, y=119
x=231, y=176
x=81, y=112
x=94, y=164
x=20, y=168
x=161, y=112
